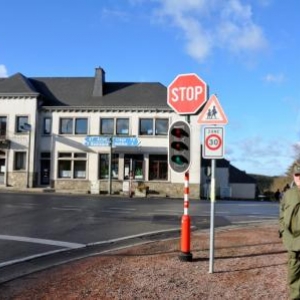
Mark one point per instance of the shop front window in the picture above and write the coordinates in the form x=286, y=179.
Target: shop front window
x=104, y=166
x=72, y=165
x=158, y=167
x=134, y=164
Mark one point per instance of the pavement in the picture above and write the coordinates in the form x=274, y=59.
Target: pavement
x=243, y=261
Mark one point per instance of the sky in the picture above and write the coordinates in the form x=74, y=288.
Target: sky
x=247, y=52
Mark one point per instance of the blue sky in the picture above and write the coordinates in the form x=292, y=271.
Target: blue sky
x=246, y=51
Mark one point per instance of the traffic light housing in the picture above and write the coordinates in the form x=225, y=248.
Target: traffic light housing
x=179, y=146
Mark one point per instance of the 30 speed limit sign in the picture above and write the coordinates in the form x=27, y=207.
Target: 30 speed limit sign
x=213, y=142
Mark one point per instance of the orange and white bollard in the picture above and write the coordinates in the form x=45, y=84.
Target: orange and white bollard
x=186, y=255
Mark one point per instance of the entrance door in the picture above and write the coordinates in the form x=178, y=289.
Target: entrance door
x=2, y=170
x=45, y=172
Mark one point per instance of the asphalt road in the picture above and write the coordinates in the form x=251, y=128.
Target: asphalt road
x=51, y=225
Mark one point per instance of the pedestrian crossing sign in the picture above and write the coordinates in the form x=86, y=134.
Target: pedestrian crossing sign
x=212, y=113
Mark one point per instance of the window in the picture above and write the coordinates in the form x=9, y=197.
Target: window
x=81, y=126
x=3, y=126
x=134, y=163
x=104, y=166
x=158, y=167
x=64, y=169
x=122, y=126
x=146, y=127
x=20, y=161
x=47, y=125
x=66, y=126
x=111, y=126
x=161, y=126
x=72, y=165
x=107, y=126
x=21, y=120
x=153, y=126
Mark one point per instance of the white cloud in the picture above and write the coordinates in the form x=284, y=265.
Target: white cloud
x=3, y=71
x=116, y=14
x=274, y=78
x=260, y=156
x=215, y=24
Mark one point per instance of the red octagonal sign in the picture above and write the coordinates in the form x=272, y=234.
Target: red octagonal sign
x=187, y=93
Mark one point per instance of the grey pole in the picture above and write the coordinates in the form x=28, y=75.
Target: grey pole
x=212, y=215
x=28, y=159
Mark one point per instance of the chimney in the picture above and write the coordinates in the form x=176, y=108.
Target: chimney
x=99, y=82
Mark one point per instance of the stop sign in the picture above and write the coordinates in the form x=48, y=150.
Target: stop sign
x=187, y=93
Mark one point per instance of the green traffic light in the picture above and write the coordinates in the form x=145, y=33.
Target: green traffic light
x=178, y=159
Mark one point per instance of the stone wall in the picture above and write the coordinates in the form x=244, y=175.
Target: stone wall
x=75, y=185
x=161, y=189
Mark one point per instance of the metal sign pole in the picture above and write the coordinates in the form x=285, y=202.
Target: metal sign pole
x=212, y=215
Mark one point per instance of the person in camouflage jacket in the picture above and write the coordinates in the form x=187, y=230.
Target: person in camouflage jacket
x=289, y=230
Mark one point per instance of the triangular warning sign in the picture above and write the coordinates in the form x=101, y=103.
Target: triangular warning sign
x=212, y=112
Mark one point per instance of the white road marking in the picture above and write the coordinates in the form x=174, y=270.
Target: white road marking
x=119, y=208
x=115, y=211
x=14, y=261
x=41, y=241
x=66, y=208
x=170, y=211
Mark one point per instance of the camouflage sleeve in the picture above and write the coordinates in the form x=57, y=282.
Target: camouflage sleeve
x=281, y=220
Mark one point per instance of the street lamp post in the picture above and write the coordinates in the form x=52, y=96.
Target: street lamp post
x=27, y=127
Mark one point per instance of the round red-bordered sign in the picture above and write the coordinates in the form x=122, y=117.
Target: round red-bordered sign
x=214, y=147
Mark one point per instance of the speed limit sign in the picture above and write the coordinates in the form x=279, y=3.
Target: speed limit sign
x=213, y=142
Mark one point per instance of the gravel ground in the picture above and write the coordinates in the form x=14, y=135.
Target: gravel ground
x=249, y=263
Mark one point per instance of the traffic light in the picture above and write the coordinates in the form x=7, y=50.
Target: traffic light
x=179, y=146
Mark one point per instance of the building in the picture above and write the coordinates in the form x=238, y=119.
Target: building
x=70, y=133
x=231, y=182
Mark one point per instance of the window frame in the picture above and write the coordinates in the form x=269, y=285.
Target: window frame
x=115, y=129
x=3, y=129
x=152, y=130
x=73, y=130
x=23, y=163
x=155, y=162
x=19, y=124
x=145, y=131
x=71, y=160
x=114, y=166
x=49, y=131
x=157, y=120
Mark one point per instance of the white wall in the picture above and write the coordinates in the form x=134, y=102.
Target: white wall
x=11, y=108
x=243, y=190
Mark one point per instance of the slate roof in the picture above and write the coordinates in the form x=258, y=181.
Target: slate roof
x=17, y=84
x=238, y=176
x=78, y=92
x=235, y=175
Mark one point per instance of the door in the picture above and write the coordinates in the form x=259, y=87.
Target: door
x=45, y=172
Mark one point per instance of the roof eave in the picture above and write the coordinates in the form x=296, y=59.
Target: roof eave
x=14, y=95
x=108, y=108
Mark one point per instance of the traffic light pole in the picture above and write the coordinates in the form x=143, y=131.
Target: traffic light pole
x=186, y=255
